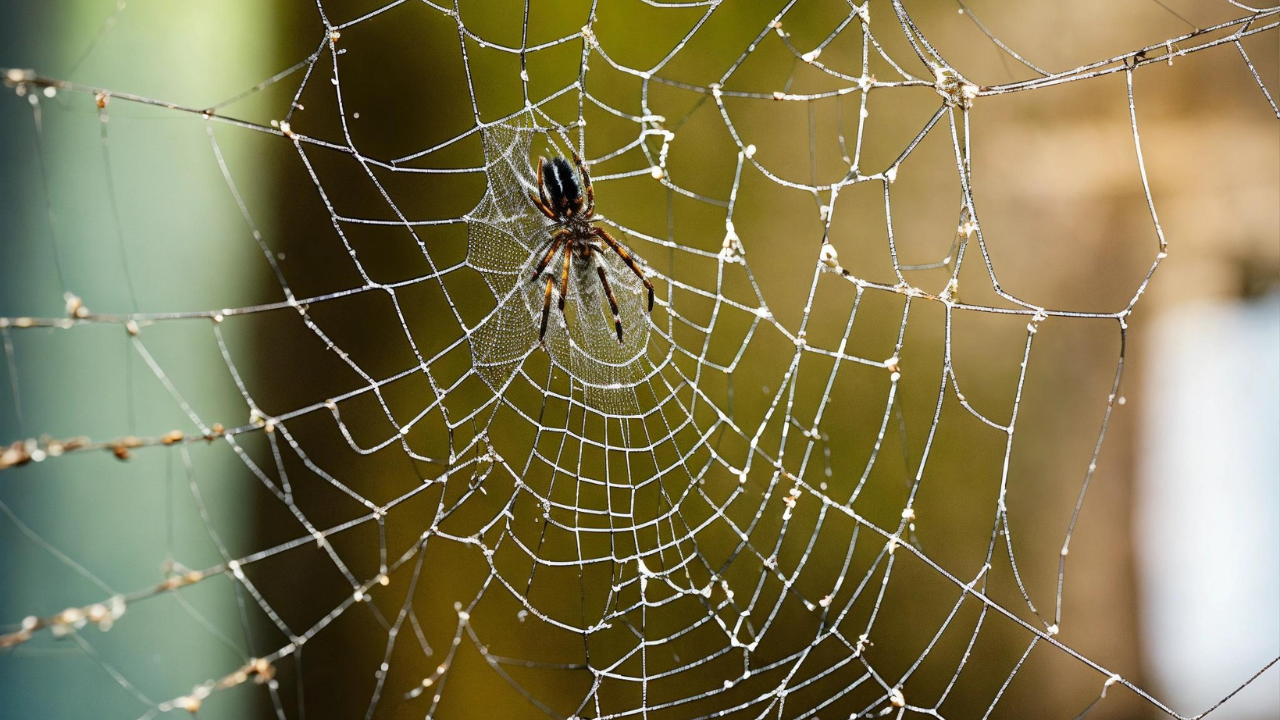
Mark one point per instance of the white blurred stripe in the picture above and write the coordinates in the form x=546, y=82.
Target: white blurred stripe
x=1208, y=506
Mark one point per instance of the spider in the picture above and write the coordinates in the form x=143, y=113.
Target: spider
x=561, y=198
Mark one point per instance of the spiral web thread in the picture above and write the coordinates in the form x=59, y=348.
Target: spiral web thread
x=685, y=527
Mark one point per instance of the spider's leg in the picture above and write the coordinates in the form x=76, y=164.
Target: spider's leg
x=564, y=278
x=626, y=258
x=546, y=308
x=613, y=301
x=555, y=245
x=544, y=205
x=586, y=183
x=538, y=204
x=542, y=190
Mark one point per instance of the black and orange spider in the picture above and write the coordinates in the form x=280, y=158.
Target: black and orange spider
x=560, y=197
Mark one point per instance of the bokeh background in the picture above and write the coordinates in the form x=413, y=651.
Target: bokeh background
x=1174, y=572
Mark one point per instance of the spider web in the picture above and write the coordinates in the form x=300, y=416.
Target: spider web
x=727, y=514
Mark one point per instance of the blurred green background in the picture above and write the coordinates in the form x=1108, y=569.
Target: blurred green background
x=128, y=208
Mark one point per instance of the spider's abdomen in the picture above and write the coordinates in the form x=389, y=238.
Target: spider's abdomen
x=561, y=183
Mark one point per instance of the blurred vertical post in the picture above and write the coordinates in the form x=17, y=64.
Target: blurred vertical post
x=126, y=209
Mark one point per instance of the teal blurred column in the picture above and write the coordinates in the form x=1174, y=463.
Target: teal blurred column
x=147, y=225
